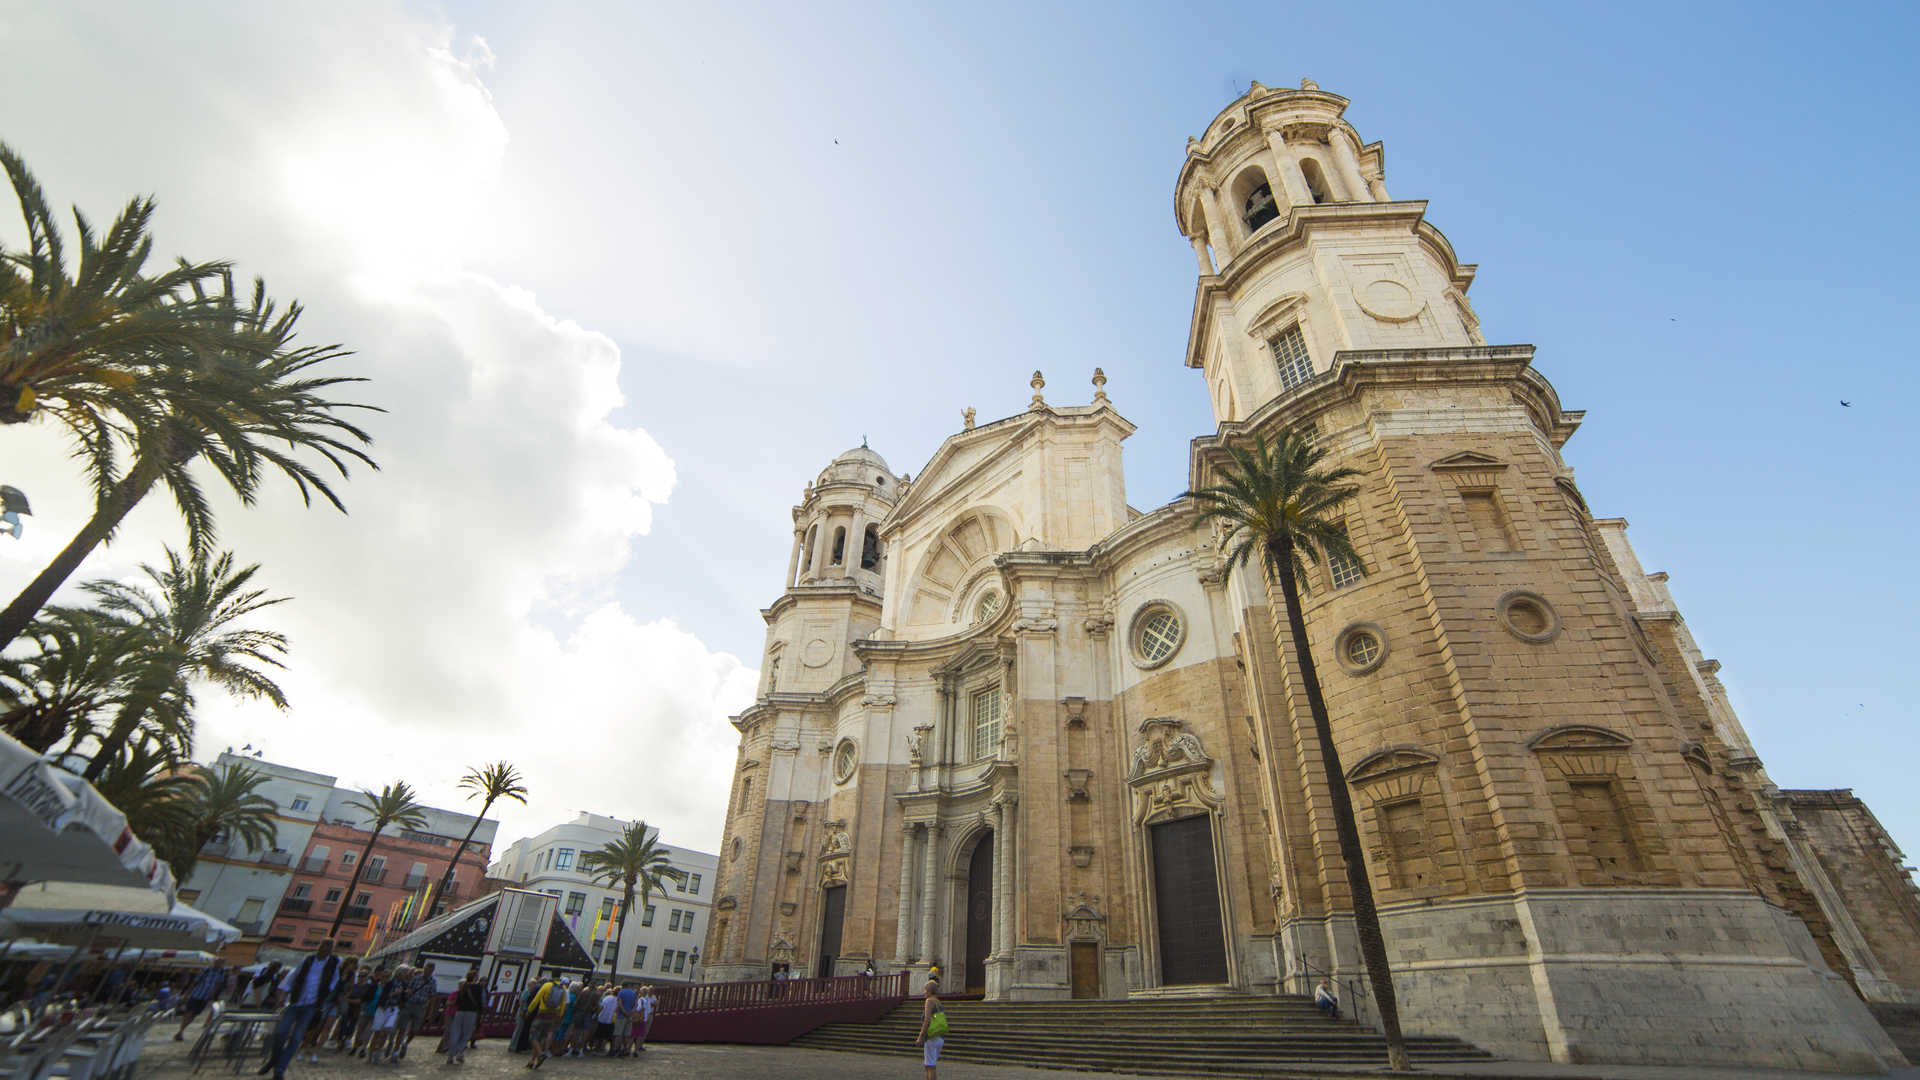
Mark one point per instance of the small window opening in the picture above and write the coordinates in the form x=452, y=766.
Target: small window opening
x=1260, y=207
x=1341, y=570
x=1316, y=180
x=839, y=555
x=806, y=554
x=986, y=723
x=1290, y=356
x=870, y=549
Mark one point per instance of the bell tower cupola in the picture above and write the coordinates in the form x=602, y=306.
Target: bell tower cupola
x=1302, y=253
x=836, y=537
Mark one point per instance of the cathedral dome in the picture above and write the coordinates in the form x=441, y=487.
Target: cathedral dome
x=859, y=465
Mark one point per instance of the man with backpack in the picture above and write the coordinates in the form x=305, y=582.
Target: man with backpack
x=548, y=1006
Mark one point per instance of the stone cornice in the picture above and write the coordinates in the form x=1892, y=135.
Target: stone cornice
x=1357, y=371
x=839, y=590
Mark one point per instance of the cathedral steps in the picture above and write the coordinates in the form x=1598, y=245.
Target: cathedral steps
x=1241, y=1036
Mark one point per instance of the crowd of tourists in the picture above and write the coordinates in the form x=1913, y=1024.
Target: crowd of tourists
x=373, y=1012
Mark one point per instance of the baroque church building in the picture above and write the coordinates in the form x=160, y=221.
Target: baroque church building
x=1012, y=726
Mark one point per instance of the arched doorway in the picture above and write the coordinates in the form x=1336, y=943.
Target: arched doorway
x=979, y=915
x=1186, y=902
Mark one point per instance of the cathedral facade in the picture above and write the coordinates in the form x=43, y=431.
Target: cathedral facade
x=1013, y=727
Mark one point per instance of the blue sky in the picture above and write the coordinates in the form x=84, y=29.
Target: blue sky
x=1699, y=214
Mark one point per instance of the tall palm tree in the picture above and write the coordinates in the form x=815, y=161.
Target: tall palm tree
x=490, y=783
x=77, y=343
x=1278, y=503
x=395, y=806
x=243, y=412
x=227, y=802
x=85, y=666
x=193, y=616
x=636, y=860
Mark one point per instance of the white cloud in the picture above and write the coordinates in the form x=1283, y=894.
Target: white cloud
x=463, y=612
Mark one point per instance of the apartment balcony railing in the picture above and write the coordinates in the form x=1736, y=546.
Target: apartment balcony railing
x=414, y=881
x=374, y=874
x=247, y=926
x=276, y=858
x=216, y=847
x=294, y=905
x=314, y=864
x=357, y=915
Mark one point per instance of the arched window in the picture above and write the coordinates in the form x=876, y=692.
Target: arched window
x=806, y=555
x=1316, y=180
x=839, y=555
x=1252, y=196
x=870, y=549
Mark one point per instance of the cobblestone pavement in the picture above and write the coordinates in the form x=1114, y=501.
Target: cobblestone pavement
x=167, y=1060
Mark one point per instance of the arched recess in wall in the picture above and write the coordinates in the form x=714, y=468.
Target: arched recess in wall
x=1251, y=196
x=839, y=553
x=870, y=549
x=1316, y=180
x=950, y=561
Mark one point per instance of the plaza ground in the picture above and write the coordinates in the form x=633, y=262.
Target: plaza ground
x=167, y=1060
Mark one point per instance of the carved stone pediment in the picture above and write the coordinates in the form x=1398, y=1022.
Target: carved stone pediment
x=1172, y=774
x=1386, y=763
x=1578, y=737
x=1165, y=747
x=1084, y=920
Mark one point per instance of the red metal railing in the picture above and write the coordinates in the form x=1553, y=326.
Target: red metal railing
x=768, y=993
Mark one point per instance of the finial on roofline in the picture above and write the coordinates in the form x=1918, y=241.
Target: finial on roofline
x=1038, y=383
x=1100, y=387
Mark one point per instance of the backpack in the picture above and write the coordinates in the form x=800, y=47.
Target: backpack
x=937, y=1027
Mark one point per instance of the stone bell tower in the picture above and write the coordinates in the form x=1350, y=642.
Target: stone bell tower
x=1544, y=807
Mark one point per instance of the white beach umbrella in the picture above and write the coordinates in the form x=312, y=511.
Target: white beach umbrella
x=58, y=828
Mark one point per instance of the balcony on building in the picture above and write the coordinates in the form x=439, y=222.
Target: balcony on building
x=247, y=926
x=216, y=847
x=374, y=874
x=357, y=915
x=414, y=881
x=314, y=864
x=276, y=858
x=294, y=905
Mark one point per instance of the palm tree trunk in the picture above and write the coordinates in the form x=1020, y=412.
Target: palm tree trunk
x=123, y=727
x=620, y=935
x=19, y=614
x=1366, y=921
x=346, y=900
x=446, y=879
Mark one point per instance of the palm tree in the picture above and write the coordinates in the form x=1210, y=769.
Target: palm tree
x=396, y=806
x=492, y=783
x=78, y=343
x=242, y=411
x=226, y=803
x=159, y=801
x=192, y=616
x=636, y=860
x=1278, y=502
x=85, y=666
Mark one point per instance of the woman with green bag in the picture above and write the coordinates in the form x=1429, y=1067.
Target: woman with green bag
x=933, y=1026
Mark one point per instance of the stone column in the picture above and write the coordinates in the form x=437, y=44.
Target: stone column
x=793, y=562
x=903, y=945
x=1206, y=267
x=1287, y=171
x=1009, y=914
x=856, y=541
x=1002, y=881
x=1347, y=161
x=929, y=890
x=1219, y=230
x=1378, y=185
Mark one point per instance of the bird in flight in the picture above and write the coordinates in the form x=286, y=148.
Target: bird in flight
x=1846, y=404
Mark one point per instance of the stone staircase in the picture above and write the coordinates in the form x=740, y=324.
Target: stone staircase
x=1223, y=1037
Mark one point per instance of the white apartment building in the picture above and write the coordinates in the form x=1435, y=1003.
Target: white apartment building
x=662, y=939
x=245, y=887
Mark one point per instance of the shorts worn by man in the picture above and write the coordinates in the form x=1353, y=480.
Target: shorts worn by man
x=623, y=1017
